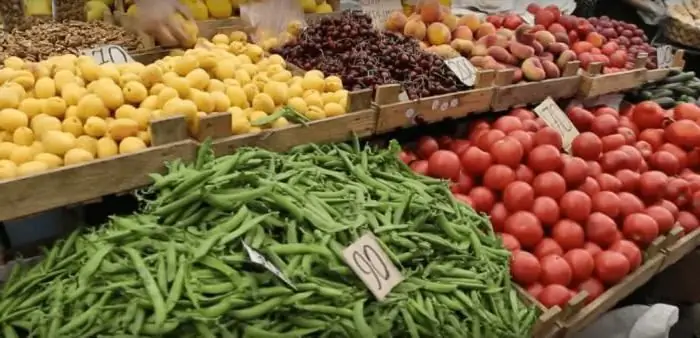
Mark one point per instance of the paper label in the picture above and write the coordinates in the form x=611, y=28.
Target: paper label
x=379, y=10
x=664, y=56
x=109, y=53
x=550, y=112
x=369, y=262
x=403, y=96
x=257, y=258
x=528, y=18
x=465, y=70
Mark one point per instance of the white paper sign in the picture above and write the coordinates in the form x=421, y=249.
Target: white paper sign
x=259, y=259
x=550, y=112
x=465, y=70
x=109, y=53
x=369, y=262
x=664, y=56
x=403, y=96
x=379, y=10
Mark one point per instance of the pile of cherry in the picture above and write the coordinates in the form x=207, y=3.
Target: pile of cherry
x=579, y=220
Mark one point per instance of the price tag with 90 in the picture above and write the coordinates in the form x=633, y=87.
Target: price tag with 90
x=109, y=53
x=664, y=56
x=465, y=70
x=369, y=262
x=259, y=259
x=554, y=117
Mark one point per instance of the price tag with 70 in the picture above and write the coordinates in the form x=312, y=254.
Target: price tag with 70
x=109, y=53
x=465, y=70
x=369, y=262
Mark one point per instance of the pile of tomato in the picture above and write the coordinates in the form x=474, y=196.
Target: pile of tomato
x=578, y=220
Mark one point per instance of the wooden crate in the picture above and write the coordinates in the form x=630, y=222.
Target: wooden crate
x=359, y=121
x=593, y=83
x=393, y=113
x=547, y=323
x=89, y=181
x=509, y=95
x=678, y=63
x=679, y=249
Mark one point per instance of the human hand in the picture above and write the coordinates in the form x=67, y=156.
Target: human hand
x=159, y=19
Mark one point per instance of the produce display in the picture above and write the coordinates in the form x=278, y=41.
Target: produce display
x=348, y=46
x=575, y=221
x=179, y=268
x=222, y=9
x=677, y=88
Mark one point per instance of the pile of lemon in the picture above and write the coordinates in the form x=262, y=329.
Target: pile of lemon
x=69, y=110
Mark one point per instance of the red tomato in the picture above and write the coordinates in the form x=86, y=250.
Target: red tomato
x=629, y=180
x=475, y=161
x=593, y=287
x=629, y=204
x=581, y=118
x=510, y=242
x=486, y=140
x=686, y=111
x=464, y=199
x=525, y=227
x=522, y=114
x=427, y=145
x=634, y=156
x=546, y=210
x=592, y=248
x=581, y=263
x=526, y=140
x=553, y=295
x=420, y=167
x=507, y=151
x=605, y=125
x=534, y=289
x=498, y=216
x=606, y=202
x=590, y=186
x=665, y=162
x=548, y=135
x=524, y=267
x=668, y=205
x=679, y=153
x=678, y=191
x=555, y=270
x=688, y=221
x=640, y=228
x=575, y=205
x=587, y=146
x=575, y=171
x=614, y=160
x=508, y=124
x=630, y=251
x=523, y=173
x=568, y=234
x=498, y=176
x=407, y=157
x=444, y=141
x=663, y=217
x=611, y=267
x=654, y=138
x=600, y=229
x=549, y=184
x=518, y=196
x=546, y=247
x=648, y=114
x=594, y=168
x=444, y=164
x=459, y=146
x=464, y=182
x=544, y=158
x=612, y=142
x=608, y=182
x=482, y=199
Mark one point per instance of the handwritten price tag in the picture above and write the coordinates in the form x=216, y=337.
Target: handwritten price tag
x=109, y=53
x=369, y=262
x=379, y=10
x=257, y=258
x=465, y=70
x=664, y=56
x=550, y=112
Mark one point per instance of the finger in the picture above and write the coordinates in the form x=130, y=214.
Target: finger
x=164, y=37
x=184, y=10
x=177, y=31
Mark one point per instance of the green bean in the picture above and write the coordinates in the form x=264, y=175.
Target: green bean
x=159, y=307
x=227, y=202
x=80, y=319
x=257, y=310
x=245, y=227
x=9, y=332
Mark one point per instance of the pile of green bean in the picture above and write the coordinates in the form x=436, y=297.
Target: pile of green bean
x=178, y=268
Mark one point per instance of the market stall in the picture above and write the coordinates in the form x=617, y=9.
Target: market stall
x=272, y=203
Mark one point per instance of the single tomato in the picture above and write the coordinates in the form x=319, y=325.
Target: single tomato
x=544, y=158
x=555, y=270
x=427, y=145
x=482, y=199
x=630, y=250
x=510, y=242
x=498, y=177
x=600, y=229
x=611, y=267
x=581, y=263
x=518, y=196
x=546, y=210
x=420, y=167
x=546, y=247
x=568, y=234
x=525, y=227
x=498, y=216
x=606, y=202
x=524, y=267
x=592, y=248
x=553, y=295
x=593, y=287
x=475, y=161
x=575, y=205
x=550, y=184
x=444, y=164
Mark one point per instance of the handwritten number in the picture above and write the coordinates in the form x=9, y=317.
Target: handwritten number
x=368, y=257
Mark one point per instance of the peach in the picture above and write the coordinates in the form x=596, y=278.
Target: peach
x=609, y=47
x=533, y=69
x=537, y=28
x=596, y=50
x=463, y=46
x=430, y=11
x=539, y=49
x=546, y=56
x=492, y=64
x=581, y=47
x=415, y=29
x=495, y=20
x=568, y=21
x=470, y=20
x=463, y=32
x=485, y=29
x=523, y=35
x=565, y=57
x=556, y=28
x=557, y=48
x=520, y=50
x=595, y=39
x=584, y=27
x=544, y=18
x=480, y=61
x=450, y=20
x=438, y=34
x=506, y=33
x=512, y=21
x=618, y=59
x=517, y=75
x=479, y=50
x=601, y=58
x=545, y=38
x=396, y=21
x=551, y=69
x=502, y=55
x=586, y=58
x=562, y=37
x=573, y=37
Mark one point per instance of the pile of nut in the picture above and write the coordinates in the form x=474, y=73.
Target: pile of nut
x=57, y=38
x=70, y=10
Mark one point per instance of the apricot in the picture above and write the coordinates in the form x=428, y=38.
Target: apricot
x=551, y=69
x=479, y=50
x=480, y=61
x=485, y=29
x=415, y=29
x=439, y=34
x=556, y=28
x=493, y=64
x=595, y=39
x=562, y=37
x=506, y=33
x=430, y=12
x=501, y=55
x=450, y=20
x=395, y=22
x=463, y=32
x=580, y=47
x=470, y=20
x=462, y=45
x=565, y=57
x=618, y=59
x=533, y=69
x=544, y=18
x=520, y=50
x=445, y=51
x=545, y=38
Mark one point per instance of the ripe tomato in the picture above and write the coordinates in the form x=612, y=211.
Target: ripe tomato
x=664, y=218
x=546, y=247
x=534, y=289
x=444, y=164
x=475, y=161
x=688, y=221
x=420, y=167
x=568, y=234
x=629, y=180
x=640, y=228
x=554, y=294
x=587, y=146
x=592, y=248
x=498, y=216
x=510, y=242
x=630, y=251
x=686, y=111
x=464, y=199
x=581, y=263
x=668, y=205
x=464, y=182
x=648, y=114
x=593, y=287
x=459, y=146
x=482, y=199
x=590, y=186
x=525, y=174
x=518, y=196
x=608, y=182
x=407, y=157
x=427, y=145
x=526, y=140
x=652, y=184
x=498, y=176
x=524, y=267
x=507, y=151
x=549, y=184
x=575, y=171
x=544, y=158
x=611, y=267
x=525, y=227
x=489, y=138
x=555, y=270
x=629, y=204
x=546, y=209
x=508, y=124
x=575, y=205
x=600, y=229
x=548, y=135
x=606, y=202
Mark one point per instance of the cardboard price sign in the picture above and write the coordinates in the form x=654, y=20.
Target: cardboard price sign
x=109, y=53
x=379, y=10
x=664, y=56
x=259, y=259
x=550, y=112
x=465, y=70
x=369, y=262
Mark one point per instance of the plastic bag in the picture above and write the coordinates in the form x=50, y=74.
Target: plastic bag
x=636, y=321
x=273, y=19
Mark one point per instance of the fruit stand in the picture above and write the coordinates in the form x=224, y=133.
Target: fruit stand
x=275, y=200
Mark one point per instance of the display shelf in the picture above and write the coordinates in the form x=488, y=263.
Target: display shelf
x=679, y=249
x=678, y=63
x=509, y=95
x=547, y=323
x=88, y=181
x=394, y=113
x=593, y=83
